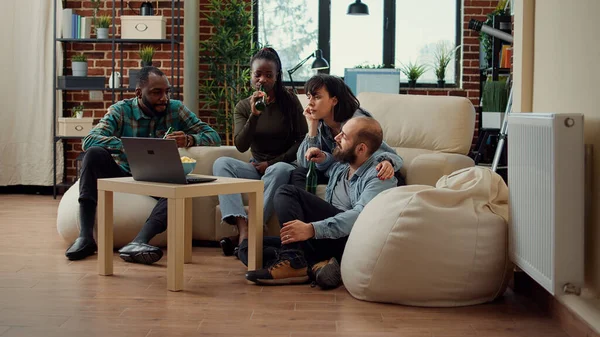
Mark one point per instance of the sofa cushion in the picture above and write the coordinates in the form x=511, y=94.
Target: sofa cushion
x=432, y=246
x=408, y=155
x=436, y=123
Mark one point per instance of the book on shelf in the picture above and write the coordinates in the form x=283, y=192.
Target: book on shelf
x=505, y=56
x=75, y=26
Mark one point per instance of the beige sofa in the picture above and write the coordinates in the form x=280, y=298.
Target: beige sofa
x=432, y=134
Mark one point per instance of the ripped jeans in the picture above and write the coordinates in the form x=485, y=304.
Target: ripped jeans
x=231, y=204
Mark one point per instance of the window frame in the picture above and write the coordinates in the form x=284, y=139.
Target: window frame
x=389, y=39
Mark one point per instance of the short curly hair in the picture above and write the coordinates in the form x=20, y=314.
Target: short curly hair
x=145, y=73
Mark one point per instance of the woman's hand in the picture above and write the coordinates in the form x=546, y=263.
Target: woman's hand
x=260, y=167
x=313, y=123
x=253, y=99
x=385, y=169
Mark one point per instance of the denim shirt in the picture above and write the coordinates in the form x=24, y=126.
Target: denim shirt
x=364, y=186
x=325, y=141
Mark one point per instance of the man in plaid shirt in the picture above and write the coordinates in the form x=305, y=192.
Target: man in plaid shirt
x=150, y=114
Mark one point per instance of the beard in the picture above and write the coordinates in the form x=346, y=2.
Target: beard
x=153, y=107
x=345, y=156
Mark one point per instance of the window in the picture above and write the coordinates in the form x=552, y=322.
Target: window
x=395, y=32
x=420, y=27
x=355, y=40
x=291, y=28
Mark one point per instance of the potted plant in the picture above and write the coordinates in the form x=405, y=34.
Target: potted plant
x=442, y=55
x=146, y=54
x=79, y=65
x=413, y=71
x=77, y=111
x=102, y=24
x=486, y=39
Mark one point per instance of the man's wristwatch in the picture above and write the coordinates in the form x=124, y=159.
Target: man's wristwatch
x=189, y=141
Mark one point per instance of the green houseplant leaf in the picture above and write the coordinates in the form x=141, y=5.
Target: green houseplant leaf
x=227, y=54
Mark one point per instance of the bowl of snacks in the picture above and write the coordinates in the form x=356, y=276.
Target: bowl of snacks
x=188, y=164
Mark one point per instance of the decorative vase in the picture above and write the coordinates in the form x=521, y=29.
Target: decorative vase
x=79, y=68
x=146, y=64
x=441, y=83
x=412, y=83
x=79, y=114
x=102, y=33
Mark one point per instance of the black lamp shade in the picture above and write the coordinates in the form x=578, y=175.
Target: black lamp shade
x=320, y=62
x=358, y=8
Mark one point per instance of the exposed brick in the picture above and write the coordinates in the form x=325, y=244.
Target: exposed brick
x=480, y=3
x=460, y=93
x=473, y=10
x=471, y=71
x=437, y=93
x=472, y=94
x=471, y=56
x=471, y=85
x=470, y=40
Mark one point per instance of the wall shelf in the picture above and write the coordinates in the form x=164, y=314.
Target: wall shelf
x=117, y=52
x=122, y=41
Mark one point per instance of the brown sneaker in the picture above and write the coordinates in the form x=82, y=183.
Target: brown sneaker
x=327, y=274
x=286, y=270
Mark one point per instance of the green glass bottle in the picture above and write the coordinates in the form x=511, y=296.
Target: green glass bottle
x=260, y=104
x=311, y=178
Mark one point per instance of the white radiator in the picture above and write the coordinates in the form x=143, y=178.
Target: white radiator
x=546, y=189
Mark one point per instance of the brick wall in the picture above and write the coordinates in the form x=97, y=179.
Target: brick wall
x=100, y=64
x=100, y=55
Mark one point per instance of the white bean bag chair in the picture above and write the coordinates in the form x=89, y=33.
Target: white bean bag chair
x=130, y=212
x=430, y=246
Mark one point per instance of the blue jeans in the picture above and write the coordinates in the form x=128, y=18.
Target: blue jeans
x=231, y=205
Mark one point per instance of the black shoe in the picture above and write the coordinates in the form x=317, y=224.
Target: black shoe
x=288, y=269
x=227, y=246
x=137, y=252
x=326, y=274
x=81, y=248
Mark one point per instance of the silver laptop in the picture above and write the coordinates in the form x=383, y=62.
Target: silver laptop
x=157, y=160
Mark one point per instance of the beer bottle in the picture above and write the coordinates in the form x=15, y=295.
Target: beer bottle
x=311, y=178
x=260, y=104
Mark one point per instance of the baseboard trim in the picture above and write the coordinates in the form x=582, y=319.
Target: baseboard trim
x=572, y=323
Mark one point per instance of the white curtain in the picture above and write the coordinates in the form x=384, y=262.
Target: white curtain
x=26, y=154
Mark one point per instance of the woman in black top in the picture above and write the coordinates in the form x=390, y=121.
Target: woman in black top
x=273, y=136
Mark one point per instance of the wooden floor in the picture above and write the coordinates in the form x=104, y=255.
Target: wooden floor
x=44, y=294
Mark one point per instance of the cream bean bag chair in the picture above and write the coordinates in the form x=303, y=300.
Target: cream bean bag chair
x=432, y=246
x=130, y=212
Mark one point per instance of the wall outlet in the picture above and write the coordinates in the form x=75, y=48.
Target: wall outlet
x=96, y=95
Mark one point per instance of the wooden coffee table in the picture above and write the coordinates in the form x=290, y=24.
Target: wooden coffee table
x=179, y=225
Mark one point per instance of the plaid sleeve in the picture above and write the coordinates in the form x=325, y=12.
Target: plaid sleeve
x=202, y=133
x=105, y=133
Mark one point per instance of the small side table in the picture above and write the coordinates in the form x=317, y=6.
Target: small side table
x=179, y=226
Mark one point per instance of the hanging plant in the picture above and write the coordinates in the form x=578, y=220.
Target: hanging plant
x=486, y=39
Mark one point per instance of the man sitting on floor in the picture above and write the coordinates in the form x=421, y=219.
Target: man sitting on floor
x=314, y=231
x=150, y=114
